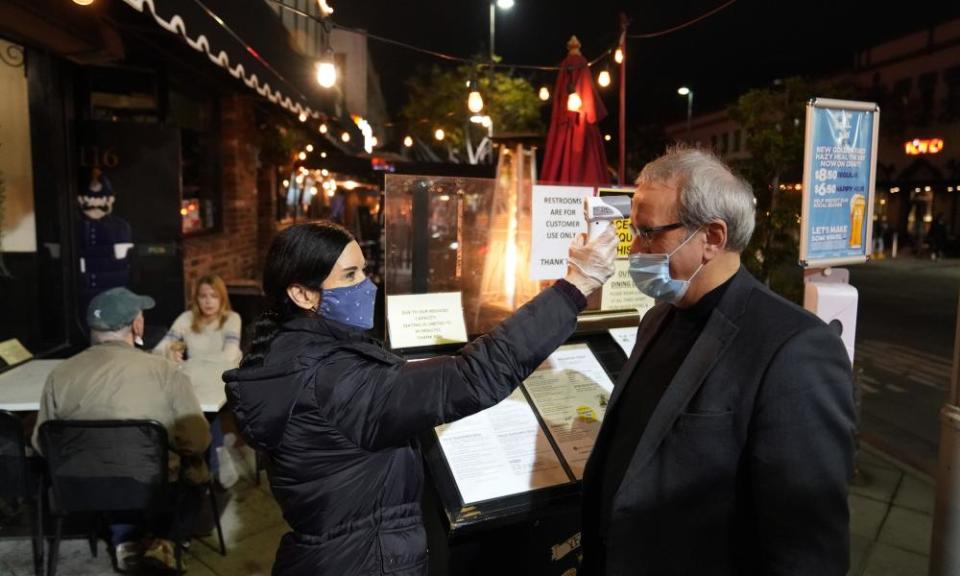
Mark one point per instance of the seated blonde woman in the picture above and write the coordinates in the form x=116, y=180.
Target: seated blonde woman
x=209, y=330
x=205, y=342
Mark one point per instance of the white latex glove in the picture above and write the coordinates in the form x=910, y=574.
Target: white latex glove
x=592, y=264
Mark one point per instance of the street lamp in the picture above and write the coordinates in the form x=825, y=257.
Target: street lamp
x=503, y=5
x=684, y=91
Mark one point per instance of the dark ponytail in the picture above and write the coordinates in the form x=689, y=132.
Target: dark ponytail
x=302, y=254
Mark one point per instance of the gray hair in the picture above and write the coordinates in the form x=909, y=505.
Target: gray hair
x=709, y=191
x=120, y=334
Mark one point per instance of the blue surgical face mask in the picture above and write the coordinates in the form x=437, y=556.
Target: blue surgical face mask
x=351, y=305
x=651, y=274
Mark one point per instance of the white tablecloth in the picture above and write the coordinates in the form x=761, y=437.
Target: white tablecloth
x=21, y=387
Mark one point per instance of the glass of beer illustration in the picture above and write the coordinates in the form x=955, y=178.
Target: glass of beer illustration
x=858, y=205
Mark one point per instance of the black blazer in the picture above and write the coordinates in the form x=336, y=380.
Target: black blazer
x=744, y=465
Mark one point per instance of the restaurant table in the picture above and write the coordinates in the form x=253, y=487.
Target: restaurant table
x=22, y=386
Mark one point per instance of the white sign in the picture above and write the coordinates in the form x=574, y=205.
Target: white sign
x=571, y=390
x=626, y=338
x=557, y=220
x=620, y=293
x=500, y=451
x=425, y=319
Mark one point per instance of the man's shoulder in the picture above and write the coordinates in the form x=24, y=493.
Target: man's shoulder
x=771, y=310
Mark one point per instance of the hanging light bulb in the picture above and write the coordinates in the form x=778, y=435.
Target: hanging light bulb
x=618, y=55
x=439, y=134
x=574, y=103
x=474, y=100
x=286, y=183
x=374, y=141
x=603, y=79
x=323, y=128
x=544, y=93
x=309, y=147
x=323, y=154
x=345, y=136
x=83, y=2
x=325, y=8
x=408, y=142
x=326, y=71
x=302, y=156
x=303, y=117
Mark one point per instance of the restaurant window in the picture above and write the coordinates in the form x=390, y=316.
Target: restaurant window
x=34, y=281
x=197, y=117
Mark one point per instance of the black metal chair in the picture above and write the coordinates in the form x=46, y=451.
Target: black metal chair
x=97, y=467
x=21, y=486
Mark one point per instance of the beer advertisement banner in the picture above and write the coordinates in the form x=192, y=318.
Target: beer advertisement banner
x=840, y=161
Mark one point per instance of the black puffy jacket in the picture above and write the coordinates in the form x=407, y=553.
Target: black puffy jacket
x=337, y=415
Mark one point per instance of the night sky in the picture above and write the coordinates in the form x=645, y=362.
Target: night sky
x=748, y=44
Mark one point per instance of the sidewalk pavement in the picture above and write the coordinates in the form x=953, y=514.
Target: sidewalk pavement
x=891, y=511
x=891, y=518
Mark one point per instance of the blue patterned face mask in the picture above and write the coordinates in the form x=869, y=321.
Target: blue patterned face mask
x=651, y=274
x=351, y=305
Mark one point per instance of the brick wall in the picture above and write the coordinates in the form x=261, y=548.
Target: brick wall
x=231, y=253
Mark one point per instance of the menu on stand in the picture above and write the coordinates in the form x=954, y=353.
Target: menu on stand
x=500, y=451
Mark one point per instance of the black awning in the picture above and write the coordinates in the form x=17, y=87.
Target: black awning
x=249, y=41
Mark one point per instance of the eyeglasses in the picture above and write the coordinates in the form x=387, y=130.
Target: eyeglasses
x=646, y=234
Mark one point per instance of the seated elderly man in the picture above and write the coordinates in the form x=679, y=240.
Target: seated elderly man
x=114, y=380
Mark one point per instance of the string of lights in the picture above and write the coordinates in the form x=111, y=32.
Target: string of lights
x=681, y=26
x=436, y=54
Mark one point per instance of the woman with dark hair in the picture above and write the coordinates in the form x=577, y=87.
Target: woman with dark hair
x=337, y=414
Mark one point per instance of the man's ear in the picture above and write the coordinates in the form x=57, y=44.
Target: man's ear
x=716, y=239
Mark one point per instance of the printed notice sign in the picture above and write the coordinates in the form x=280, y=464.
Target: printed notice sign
x=12, y=352
x=620, y=293
x=557, y=219
x=425, y=319
x=838, y=182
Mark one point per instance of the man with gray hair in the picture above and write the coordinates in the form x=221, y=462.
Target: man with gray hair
x=727, y=444
x=113, y=380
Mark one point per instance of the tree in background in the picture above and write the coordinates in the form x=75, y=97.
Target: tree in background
x=438, y=99
x=773, y=120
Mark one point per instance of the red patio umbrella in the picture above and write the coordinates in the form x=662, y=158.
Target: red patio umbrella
x=574, y=153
